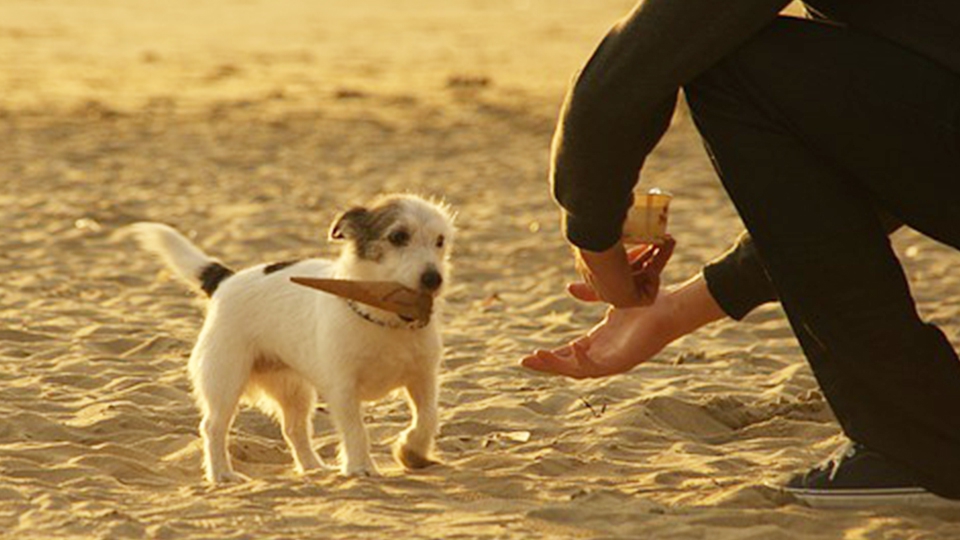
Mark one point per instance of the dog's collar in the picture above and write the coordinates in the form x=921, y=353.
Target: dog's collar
x=399, y=324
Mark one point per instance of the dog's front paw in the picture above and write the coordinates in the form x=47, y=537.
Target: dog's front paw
x=227, y=477
x=366, y=470
x=413, y=459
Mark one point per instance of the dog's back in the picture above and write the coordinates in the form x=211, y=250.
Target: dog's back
x=259, y=304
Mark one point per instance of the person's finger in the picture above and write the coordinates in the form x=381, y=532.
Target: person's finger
x=586, y=289
x=586, y=367
x=646, y=278
x=553, y=363
x=652, y=256
x=535, y=363
x=583, y=292
x=639, y=257
x=663, y=254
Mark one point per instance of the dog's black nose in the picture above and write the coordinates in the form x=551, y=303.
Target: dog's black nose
x=431, y=280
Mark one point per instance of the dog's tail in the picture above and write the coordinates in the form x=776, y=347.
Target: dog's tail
x=182, y=256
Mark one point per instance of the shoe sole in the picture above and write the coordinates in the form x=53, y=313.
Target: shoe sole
x=867, y=498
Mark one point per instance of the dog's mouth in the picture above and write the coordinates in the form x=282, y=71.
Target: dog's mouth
x=433, y=292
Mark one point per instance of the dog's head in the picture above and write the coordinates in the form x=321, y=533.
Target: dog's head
x=402, y=238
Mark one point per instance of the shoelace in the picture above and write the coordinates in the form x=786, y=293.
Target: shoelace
x=844, y=451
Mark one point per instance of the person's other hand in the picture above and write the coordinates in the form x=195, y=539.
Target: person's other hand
x=620, y=278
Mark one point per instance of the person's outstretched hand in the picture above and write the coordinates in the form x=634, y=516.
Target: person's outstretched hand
x=620, y=278
x=628, y=335
x=625, y=338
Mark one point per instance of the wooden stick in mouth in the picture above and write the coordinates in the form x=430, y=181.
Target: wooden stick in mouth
x=386, y=295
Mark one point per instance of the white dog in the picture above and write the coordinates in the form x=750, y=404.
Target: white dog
x=278, y=344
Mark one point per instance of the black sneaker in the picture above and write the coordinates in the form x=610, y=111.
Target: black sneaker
x=859, y=477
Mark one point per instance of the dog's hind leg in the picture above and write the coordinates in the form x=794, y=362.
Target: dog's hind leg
x=219, y=378
x=414, y=446
x=295, y=399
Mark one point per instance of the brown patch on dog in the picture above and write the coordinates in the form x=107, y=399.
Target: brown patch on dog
x=365, y=228
x=278, y=266
x=212, y=275
x=263, y=364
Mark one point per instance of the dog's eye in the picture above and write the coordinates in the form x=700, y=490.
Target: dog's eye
x=440, y=241
x=399, y=238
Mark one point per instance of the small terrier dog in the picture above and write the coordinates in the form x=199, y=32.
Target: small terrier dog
x=278, y=345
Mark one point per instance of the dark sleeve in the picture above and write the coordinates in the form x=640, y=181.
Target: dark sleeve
x=622, y=101
x=738, y=281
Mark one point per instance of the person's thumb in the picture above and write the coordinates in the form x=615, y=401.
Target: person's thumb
x=583, y=292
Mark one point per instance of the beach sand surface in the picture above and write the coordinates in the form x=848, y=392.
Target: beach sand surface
x=249, y=124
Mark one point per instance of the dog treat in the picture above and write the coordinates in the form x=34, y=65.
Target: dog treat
x=646, y=221
x=386, y=295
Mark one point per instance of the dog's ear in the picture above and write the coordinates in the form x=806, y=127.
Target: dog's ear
x=349, y=223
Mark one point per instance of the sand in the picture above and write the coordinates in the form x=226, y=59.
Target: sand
x=250, y=124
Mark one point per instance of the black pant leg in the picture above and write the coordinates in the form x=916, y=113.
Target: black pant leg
x=812, y=127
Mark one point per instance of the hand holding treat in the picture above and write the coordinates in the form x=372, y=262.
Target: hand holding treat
x=630, y=277
x=644, y=264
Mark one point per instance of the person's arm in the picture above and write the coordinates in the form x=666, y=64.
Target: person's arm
x=738, y=281
x=623, y=99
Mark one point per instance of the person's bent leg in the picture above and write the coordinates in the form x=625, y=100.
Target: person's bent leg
x=812, y=127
